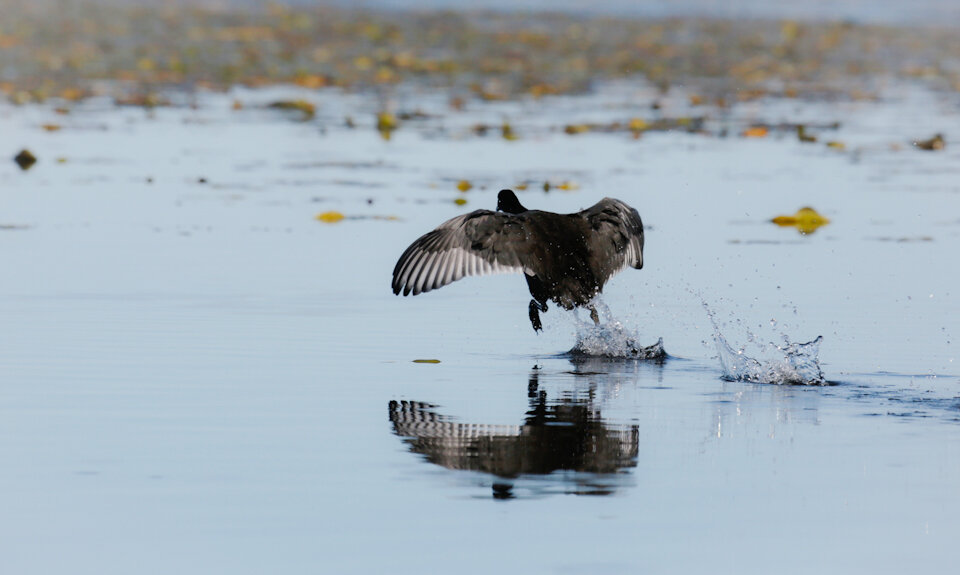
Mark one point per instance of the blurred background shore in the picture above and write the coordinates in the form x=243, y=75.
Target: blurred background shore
x=724, y=52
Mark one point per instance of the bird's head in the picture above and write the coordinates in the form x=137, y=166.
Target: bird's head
x=507, y=202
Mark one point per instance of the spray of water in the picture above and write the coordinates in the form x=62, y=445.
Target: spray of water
x=611, y=339
x=791, y=364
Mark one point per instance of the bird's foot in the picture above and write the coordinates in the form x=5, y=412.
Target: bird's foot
x=594, y=315
x=535, y=309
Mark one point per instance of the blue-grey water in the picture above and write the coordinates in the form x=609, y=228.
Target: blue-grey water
x=198, y=376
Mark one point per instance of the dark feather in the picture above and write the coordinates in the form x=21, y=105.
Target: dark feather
x=567, y=257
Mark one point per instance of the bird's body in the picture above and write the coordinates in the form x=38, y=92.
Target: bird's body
x=566, y=258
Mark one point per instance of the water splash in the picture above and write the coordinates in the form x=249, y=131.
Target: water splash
x=611, y=339
x=798, y=365
x=792, y=364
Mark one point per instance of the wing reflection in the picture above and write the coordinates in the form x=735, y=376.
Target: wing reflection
x=567, y=434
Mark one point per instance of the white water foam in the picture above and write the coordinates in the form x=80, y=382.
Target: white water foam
x=611, y=339
x=792, y=364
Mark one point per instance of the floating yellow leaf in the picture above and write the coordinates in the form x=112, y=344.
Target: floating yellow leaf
x=507, y=131
x=311, y=81
x=806, y=220
x=306, y=108
x=789, y=31
x=330, y=217
x=72, y=94
x=935, y=143
x=638, y=124
x=836, y=145
x=363, y=62
x=540, y=90
x=386, y=124
x=464, y=185
x=51, y=127
x=385, y=75
x=574, y=129
x=568, y=186
x=756, y=132
x=803, y=136
x=147, y=100
x=426, y=361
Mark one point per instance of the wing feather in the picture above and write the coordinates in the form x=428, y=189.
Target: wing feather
x=479, y=243
x=617, y=239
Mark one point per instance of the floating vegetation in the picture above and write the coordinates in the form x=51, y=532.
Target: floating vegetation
x=806, y=220
x=803, y=136
x=426, y=361
x=146, y=100
x=756, y=132
x=491, y=56
x=386, y=124
x=638, y=126
x=25, y=159
x=565, y=185
x=331, y=217
x=573, y=129
x=307, y=110
x=933, y=144
x=464, y=185
x=641, y=125
x=460, y=201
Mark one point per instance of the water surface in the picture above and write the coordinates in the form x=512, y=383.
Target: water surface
x=198, y=376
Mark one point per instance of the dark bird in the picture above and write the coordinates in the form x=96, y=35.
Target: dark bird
x=566, y=258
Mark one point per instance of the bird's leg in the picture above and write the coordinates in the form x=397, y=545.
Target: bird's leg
x=535, y=316
x=535, y=309
x=594, y=315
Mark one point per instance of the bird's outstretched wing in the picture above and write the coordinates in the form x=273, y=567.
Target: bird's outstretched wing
x=617, y=238
x=479, y=243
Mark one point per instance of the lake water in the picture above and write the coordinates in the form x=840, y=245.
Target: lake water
x=198, y=376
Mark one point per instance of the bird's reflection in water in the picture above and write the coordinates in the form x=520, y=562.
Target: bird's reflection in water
x=564, y=437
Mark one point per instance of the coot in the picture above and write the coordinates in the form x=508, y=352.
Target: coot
x=566, y=258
